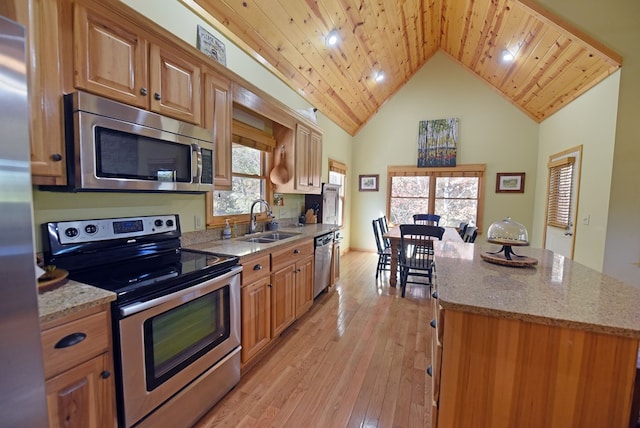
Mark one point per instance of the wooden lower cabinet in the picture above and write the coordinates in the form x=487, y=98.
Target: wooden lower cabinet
x=277, y=288
x=81, y=396
x=78, y=369
x=502, y=372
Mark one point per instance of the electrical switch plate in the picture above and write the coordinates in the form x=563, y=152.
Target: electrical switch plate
x=586, y=218
x=197, y=222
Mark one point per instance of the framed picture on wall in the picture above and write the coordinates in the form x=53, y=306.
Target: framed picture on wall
x=368, y=183
x=510, y=182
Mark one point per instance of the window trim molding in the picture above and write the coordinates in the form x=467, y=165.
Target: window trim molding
x=465, y=170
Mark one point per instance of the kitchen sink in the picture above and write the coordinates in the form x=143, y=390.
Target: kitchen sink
x=265, y=238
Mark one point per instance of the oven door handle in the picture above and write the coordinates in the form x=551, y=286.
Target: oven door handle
x=193, y=291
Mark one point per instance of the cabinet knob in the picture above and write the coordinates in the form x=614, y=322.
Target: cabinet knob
x=56, y=157
x=433, y=323
x=143, y=91
x=156, y=96
x=257, y=267
x=105, y=374
x=434, y=294
x=430, y=370
x=296, y=251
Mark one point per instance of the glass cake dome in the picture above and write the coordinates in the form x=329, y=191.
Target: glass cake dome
x=508, y=232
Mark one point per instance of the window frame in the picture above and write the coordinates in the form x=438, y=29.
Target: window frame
x=559, y=206
x=468, y=170
x=340, y=168
x=214, y=221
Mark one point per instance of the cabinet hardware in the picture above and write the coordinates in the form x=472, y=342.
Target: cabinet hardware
x=105, y=374
x=156, y=96
x=433, y=323
x=70, y=340
x=257, y=267
x=430, y=370
x=434, y=294
x=296, y=251
x=143, y=91
x=56, y=157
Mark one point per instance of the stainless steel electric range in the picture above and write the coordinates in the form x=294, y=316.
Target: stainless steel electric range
x=176, y=318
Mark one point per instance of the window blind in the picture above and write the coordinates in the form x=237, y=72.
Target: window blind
x=560, y=192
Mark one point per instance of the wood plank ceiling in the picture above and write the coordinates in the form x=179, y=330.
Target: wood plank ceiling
x=553, y=63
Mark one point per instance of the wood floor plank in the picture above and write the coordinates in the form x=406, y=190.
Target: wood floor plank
x=356, y=359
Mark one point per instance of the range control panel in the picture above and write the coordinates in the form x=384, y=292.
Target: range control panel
x=113, y=228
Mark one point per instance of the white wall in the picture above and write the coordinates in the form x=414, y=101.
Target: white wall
x=588, y=121
x=492, y=131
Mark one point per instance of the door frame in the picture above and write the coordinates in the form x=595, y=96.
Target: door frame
x=574, y=215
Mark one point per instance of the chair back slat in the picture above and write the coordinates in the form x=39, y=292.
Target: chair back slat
x=432, y=219
x=377, y=235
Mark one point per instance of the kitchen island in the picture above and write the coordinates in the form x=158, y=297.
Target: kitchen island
x=553, y=345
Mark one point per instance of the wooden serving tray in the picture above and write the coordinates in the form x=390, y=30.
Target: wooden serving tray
x=52, y=280
x=516, y=261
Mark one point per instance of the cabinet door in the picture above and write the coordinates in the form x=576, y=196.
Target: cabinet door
x=175, y=85
x=82, y=396
x=283, y=304
x=256, y=317
x=40, y=18
x=110, y=59
x=304, y=285
x=217, y=117
x=315, y=162
x=303, y=155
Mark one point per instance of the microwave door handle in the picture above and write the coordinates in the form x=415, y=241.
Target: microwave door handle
x=195, y=148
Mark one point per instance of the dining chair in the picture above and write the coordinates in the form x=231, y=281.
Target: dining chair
x=384, y=253
x=384, y=228
x=470, y=234
x=432, y=219
x=462, y=228
x=416, y=256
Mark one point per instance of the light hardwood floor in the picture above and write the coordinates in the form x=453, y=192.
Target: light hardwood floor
x=356, y=359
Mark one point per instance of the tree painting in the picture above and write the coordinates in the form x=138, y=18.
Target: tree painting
x=437, y=142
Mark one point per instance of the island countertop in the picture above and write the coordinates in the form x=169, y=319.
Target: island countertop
x=557, y=291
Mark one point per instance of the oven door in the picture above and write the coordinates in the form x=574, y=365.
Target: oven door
x=166, y=343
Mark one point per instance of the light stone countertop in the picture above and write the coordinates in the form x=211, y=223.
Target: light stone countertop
x=557, y=291
x=240, y=248
x=69, y=298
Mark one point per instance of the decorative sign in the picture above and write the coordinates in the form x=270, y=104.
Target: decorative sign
x=211, y=46
x=437, y=142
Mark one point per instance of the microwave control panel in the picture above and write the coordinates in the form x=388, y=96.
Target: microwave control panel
x=104, y=229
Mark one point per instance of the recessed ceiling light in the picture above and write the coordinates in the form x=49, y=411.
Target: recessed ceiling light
x=379, y=76
x=332, y=38
x=507, y=56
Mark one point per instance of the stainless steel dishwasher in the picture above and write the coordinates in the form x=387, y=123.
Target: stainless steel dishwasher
x=322, y=269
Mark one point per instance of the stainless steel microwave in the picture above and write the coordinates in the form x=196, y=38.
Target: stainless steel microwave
x=116, y=147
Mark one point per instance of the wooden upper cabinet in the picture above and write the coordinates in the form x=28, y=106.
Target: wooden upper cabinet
x=308, y=160
x=44, y=37
x=218, y=105
x=175, y=85
x=110, y=59
x=303, y=150
x=114, y=60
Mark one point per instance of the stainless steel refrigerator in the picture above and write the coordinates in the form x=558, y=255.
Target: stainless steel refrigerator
x=22, y=389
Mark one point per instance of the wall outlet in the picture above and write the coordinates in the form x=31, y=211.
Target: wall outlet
x=197, y=222
x=586, y=219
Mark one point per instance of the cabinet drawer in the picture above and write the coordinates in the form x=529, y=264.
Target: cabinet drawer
x=77, y=341
x=255, y=268
x=291, y=254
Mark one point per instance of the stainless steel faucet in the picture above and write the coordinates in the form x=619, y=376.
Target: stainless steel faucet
x=253, y=222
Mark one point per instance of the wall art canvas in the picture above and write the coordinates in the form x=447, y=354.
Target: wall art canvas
x=437, y=142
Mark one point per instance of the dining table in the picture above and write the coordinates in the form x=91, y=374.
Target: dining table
x=393, y=235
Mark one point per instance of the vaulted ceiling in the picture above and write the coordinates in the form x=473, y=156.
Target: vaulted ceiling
x=553, y=62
